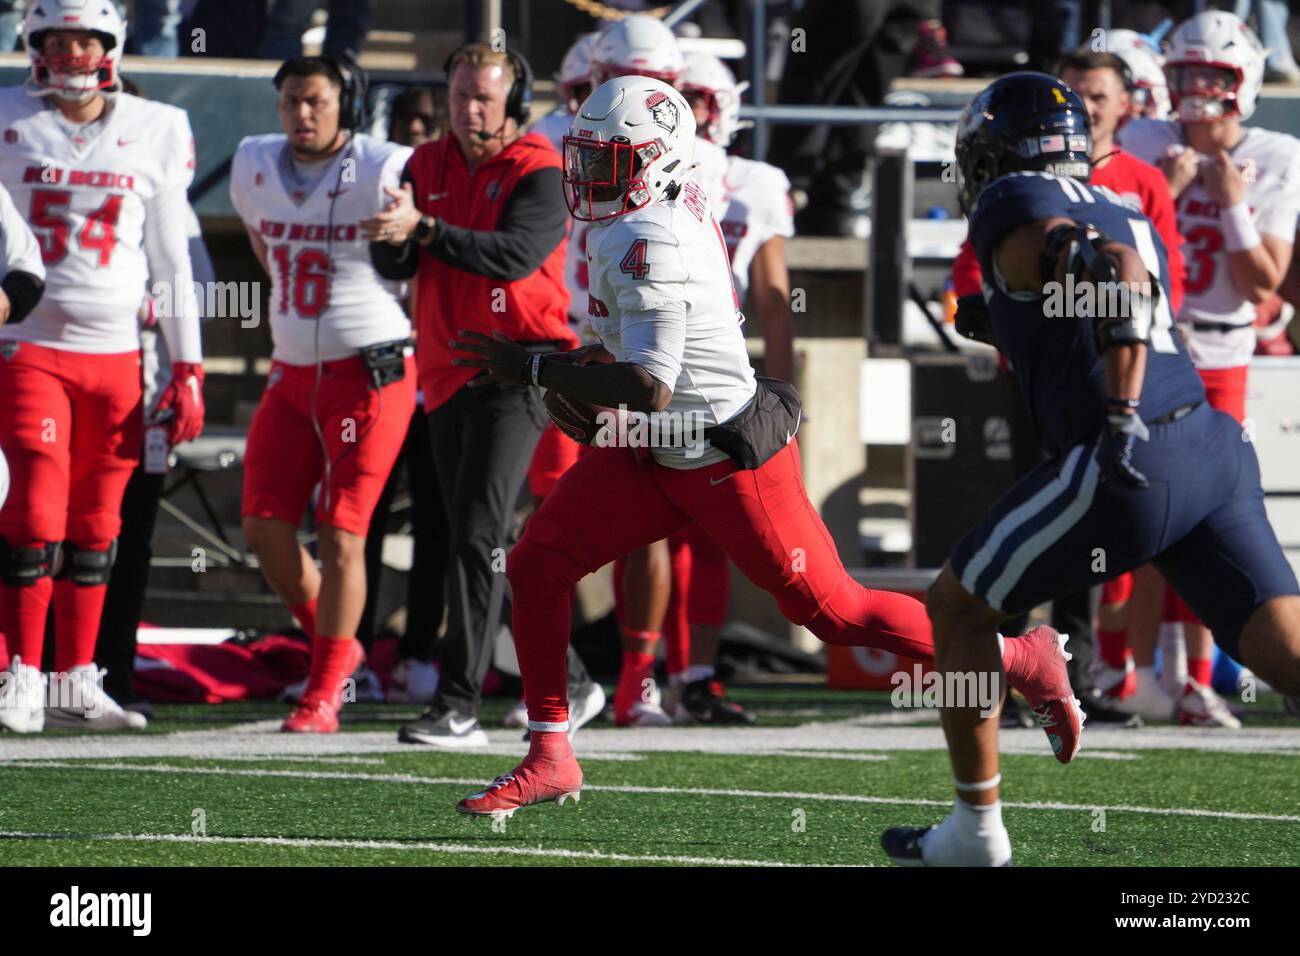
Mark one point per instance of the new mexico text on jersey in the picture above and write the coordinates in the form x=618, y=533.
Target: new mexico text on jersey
x=319, y=261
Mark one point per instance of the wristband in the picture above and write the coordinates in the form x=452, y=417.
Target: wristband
x=535, y=369
x=1239, y=232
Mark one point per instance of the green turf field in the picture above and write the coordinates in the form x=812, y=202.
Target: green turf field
x=218, y=786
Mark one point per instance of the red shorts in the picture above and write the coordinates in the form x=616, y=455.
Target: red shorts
x=71, y=425
x=554, y=454
x=1225, y=389
x=610, y=503
x=363, y=430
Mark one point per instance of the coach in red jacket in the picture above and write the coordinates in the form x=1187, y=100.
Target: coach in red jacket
x=480, y=223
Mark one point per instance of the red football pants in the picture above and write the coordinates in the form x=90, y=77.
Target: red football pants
x=71, y=425
x=614, y=501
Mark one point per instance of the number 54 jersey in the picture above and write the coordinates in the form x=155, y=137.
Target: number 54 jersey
x=320, y=263
x=86, y=194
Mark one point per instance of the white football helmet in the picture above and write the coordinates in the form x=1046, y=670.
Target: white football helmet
x=68, y=77
x=705, y=75
x=574, y=78
x=1215, y=66
x=1150, y=93
x=632, y=143
x=637, y=45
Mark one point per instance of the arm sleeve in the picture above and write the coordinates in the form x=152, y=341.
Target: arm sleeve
x=21, y=251
x=645, y=268
x=533, y=222
x=167, y=247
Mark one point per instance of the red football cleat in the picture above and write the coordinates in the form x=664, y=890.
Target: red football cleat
x=314, y=715
x=1042, y=679
x=318, y=710
x=536, y=780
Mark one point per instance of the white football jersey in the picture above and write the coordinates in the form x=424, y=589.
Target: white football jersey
x=755, y=207
x=554, y=126
x=709, y=174
x=321, y=273
x=673, y=253
x=1270, y=164
x=84, y=193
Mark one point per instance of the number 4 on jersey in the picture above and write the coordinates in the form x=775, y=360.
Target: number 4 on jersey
x=634, y=263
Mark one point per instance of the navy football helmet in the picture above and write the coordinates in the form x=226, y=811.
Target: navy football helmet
x=1021, y=121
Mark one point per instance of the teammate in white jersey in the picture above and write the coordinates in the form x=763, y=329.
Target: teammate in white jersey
x=1237, y=196
x=574, y=82
x=102, y=178
x=341, y=390
x=663, y=303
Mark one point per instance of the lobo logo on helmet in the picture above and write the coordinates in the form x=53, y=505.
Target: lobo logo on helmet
x=662, y=109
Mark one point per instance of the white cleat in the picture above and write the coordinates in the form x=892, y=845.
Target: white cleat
x=1149, y=701
x=366, y=686
x=585, y=704
x=1202, y=707
x=77, y=700
x=413, y=682
x=643, y=714
x=22, y=698
x=1113, y=681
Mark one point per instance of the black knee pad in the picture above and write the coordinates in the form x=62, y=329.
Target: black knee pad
x=86, y=567
x=22, y=567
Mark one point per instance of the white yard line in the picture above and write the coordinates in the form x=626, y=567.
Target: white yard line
x=455, y=848
x=664, y=791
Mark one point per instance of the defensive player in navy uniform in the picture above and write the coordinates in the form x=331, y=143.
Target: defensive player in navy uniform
x=1141, y=468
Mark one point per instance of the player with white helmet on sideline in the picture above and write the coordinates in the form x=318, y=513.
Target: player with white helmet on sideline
x=1237, y=195
x=574, y=82
x=102, y=176
x=1150, y=91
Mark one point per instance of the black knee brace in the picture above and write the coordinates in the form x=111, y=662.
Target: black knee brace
x=86, y=567
x=21, y=567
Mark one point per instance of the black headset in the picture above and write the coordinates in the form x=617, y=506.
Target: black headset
x=353, y=88
x=519, y=101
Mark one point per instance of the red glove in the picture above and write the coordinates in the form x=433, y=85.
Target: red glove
x=184, y=399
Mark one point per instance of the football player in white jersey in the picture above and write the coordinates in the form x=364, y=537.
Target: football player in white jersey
x=1237, y=196
x=756, y=218
x=642, y=46
x=665, y=309
x=1149, y=94
x=341, y=390
x=101, y=177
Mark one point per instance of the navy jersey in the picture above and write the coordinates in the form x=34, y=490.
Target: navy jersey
x=1052, y=350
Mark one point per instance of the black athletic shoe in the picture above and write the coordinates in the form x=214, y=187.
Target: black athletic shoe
x=1100, y=709
x=702, y=701
x=903, y=845
x=450, y=729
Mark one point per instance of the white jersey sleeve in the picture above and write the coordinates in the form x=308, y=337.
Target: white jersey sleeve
x=756, y=208
x=554, y=126
x=21, y=252
x=1148, y=139
x=661, y=297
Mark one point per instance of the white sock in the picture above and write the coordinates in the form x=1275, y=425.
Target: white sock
x=970, y=836
x=1146, y=677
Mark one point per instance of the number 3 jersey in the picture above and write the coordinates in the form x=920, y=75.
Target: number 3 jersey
x=661, y=297
x=1270, y=165
x=321, y=273
x=106, y=202
x=1050, y=337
